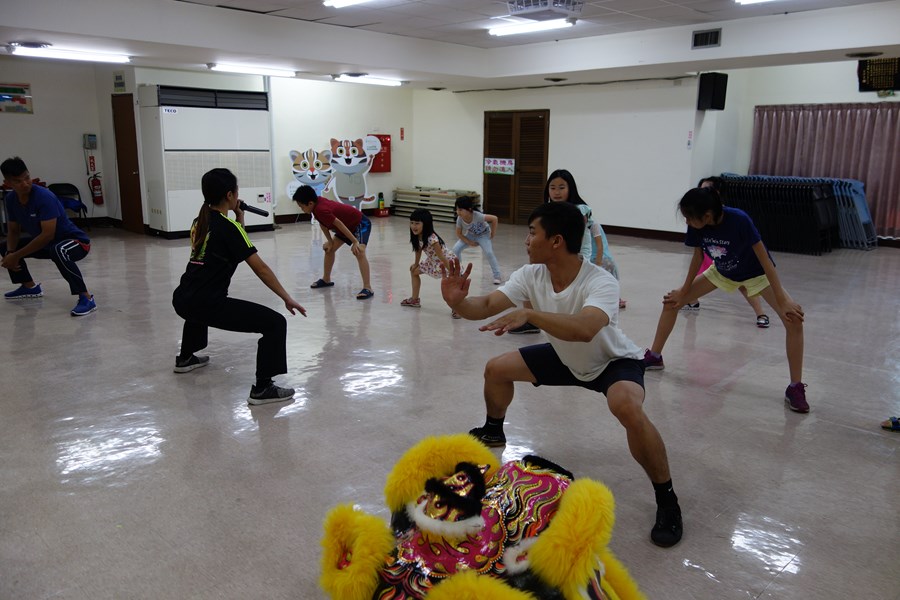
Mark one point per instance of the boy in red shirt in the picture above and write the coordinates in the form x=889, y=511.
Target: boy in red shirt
x=350, y=226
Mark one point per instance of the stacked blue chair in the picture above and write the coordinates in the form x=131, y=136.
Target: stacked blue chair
x=857, y=228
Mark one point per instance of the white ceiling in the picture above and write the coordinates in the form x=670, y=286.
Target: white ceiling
x=445, y=44
x=466, y=22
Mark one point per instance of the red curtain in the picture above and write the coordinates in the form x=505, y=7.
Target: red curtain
x=846, y=141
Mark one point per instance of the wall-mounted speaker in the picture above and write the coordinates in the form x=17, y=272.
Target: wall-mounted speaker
x=711, y=95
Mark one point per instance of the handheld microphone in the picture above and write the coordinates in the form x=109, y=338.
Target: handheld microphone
x=252, y=209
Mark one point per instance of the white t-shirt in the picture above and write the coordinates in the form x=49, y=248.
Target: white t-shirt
x=592, y=287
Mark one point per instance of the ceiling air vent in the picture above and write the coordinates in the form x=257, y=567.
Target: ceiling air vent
x=709, y=38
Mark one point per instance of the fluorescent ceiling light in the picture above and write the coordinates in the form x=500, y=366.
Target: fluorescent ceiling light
x=369, y=80
x=751, y=1
x=249, y=70
x=47, y=52
x=342, y=3
x=532, y=27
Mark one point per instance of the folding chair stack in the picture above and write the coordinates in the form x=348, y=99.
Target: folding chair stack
x=804, y=215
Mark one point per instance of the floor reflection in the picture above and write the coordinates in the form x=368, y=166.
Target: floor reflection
x=769, y=541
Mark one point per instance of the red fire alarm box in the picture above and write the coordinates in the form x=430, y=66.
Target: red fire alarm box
x=381, y=162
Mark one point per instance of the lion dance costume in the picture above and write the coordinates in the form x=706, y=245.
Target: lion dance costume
x=464, y=527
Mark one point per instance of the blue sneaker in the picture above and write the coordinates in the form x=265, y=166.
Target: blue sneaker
x=85, y=306
x=24, y=292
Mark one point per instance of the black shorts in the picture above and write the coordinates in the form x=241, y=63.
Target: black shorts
x=361, y=232
x=548, y=369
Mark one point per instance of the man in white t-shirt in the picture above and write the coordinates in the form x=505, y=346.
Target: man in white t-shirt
x=576, y=303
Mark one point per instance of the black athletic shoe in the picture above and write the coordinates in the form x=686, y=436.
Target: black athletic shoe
x=272, y=393
x=491, y=440
x=668, y=529
x=191, y=363
x=526, y=328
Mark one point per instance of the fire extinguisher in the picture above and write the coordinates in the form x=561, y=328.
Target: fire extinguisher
x=96, y=188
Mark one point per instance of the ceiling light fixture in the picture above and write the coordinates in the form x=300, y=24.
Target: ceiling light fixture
x=343, y=3
x=532, y=27
x=751, y=1
x=42, y=50
x=250, y=70
x=346, y=78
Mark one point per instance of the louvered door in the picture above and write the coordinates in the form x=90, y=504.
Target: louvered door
x=522, y=136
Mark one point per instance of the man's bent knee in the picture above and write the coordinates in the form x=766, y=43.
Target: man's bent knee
x=626, y=401
x=500, y=368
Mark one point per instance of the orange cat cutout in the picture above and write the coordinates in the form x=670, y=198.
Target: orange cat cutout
x=351, y=161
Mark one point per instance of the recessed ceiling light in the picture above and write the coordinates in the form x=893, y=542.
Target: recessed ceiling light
x=44, y=50
x=363, y=78
x=342, y=3
x=251, y=70
x=532, y=27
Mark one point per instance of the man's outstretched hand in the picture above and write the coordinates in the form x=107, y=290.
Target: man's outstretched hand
x=455, y=284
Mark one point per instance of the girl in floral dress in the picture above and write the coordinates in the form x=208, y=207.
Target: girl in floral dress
x=431, y=254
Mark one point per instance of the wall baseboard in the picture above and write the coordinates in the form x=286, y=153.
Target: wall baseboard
x=652, y=234
x=668, y=236
x=287, y=219
x=674, y=236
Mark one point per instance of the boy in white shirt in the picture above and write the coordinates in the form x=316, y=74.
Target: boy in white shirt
x=576, y=304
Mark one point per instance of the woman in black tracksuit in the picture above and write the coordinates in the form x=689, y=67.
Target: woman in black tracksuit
x=218, y=245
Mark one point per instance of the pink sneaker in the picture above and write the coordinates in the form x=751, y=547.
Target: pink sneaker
x=795, y=396
x=653, y=363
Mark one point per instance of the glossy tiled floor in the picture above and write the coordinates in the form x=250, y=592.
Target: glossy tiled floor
x=121, y=479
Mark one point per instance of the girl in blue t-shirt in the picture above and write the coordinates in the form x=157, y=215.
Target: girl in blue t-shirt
x=740, y=258
x=762, y=320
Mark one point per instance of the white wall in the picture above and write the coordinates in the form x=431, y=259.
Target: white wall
x=65, y=107
x=307, y=114
x=193, y=79
x=626, y=144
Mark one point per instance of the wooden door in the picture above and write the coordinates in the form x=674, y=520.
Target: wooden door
x=127, y=163
x=522, y=136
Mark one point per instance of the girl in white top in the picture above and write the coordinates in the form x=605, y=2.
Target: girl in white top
x=561, y=187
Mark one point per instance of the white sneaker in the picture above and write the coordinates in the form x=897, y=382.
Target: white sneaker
x=497, y=281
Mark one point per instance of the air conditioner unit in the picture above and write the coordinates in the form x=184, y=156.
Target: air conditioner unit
x=544, y=10
x=185, y=132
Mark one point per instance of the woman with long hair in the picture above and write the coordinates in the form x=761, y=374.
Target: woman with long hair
x=218, y=245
